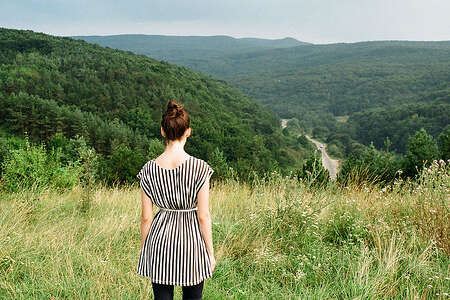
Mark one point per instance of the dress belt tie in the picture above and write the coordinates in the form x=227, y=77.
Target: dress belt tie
x=178, y=210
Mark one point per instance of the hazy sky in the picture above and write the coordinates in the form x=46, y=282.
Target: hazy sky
x=316, y=21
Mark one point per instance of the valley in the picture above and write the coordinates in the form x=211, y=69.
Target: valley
x=330, y=164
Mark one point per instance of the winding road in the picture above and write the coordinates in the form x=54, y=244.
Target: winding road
x=330, y=164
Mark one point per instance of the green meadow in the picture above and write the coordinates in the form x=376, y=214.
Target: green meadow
x=274, y=238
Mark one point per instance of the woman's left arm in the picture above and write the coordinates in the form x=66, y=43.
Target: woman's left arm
x=147, y=216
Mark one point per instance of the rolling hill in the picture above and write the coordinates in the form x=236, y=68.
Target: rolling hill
x=52, y=85
x=184, y=49
x=322, y=84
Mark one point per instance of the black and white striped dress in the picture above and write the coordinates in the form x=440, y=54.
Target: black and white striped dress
x=174, y=251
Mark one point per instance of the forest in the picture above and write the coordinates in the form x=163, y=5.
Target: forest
x=62, y=99
x=392, y=88
x=58, y=91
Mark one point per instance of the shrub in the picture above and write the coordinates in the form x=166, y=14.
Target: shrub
x=121, y=166
x=371, y=165
x=155, y=148
x=313, y=171
x=422, y=150
x=220, y=165
x=444, y=143
x=33, y=167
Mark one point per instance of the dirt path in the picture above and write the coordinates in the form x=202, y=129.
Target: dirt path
x=330, y=164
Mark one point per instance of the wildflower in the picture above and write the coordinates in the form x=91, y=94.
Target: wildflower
x=299, y=275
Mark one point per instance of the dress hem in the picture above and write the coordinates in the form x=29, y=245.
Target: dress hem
x=177, y=283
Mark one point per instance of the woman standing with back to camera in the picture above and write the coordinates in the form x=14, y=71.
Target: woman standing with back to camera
x=176, y=245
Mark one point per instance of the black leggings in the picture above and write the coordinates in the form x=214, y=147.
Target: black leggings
x=165, y=292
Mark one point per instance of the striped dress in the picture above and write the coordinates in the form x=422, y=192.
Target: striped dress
x=174, y=251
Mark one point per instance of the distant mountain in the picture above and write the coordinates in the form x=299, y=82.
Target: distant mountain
x=177, y=49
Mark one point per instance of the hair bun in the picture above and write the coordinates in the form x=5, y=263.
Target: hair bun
x=174, y=109
x=175, y=121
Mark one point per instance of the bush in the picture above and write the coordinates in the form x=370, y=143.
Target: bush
x=121, y=166
x=313, y=171
x=371, y=166
x=220, y=165
x=33, y=167
x=155, y=148
x=422, y=150
x=444, y=143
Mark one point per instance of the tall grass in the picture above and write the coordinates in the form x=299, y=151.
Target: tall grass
x=275, y=238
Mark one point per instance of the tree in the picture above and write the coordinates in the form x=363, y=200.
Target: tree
x=155, y=148
x=370, y=165
x=219, y=163
x=313, y=172
x=444, y=143
x=422, y=150
x=121, y=166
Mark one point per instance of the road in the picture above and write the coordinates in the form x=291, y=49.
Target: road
x=330, y=164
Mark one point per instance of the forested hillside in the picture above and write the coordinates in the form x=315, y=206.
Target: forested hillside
x=55, y=89
x=367, y=84
x=317, y=83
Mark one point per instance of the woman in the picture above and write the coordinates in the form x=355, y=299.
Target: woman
x=176, y=245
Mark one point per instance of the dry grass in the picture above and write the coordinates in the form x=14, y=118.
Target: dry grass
x=274, y=239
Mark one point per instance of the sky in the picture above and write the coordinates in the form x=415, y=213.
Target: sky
x=315, y=21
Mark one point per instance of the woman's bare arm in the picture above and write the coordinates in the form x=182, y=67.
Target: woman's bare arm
x=204, y=218
x=147, y=216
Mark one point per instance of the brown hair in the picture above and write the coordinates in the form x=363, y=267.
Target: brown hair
x=175, y=121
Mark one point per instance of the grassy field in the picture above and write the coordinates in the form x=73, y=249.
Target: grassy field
x=274, y=239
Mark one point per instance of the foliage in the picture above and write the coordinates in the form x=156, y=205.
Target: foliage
x=371, y=165
x=444, y=143
x=386, y=88
x=51, y=85
x=32, y=167
x=398, y=122
x=121, y=166
x=219, y=163
x=155, y=148
x=422, y=150
x=313, y=171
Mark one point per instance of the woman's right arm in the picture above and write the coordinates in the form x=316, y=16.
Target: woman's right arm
x=204, y=219
x=146, y=216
